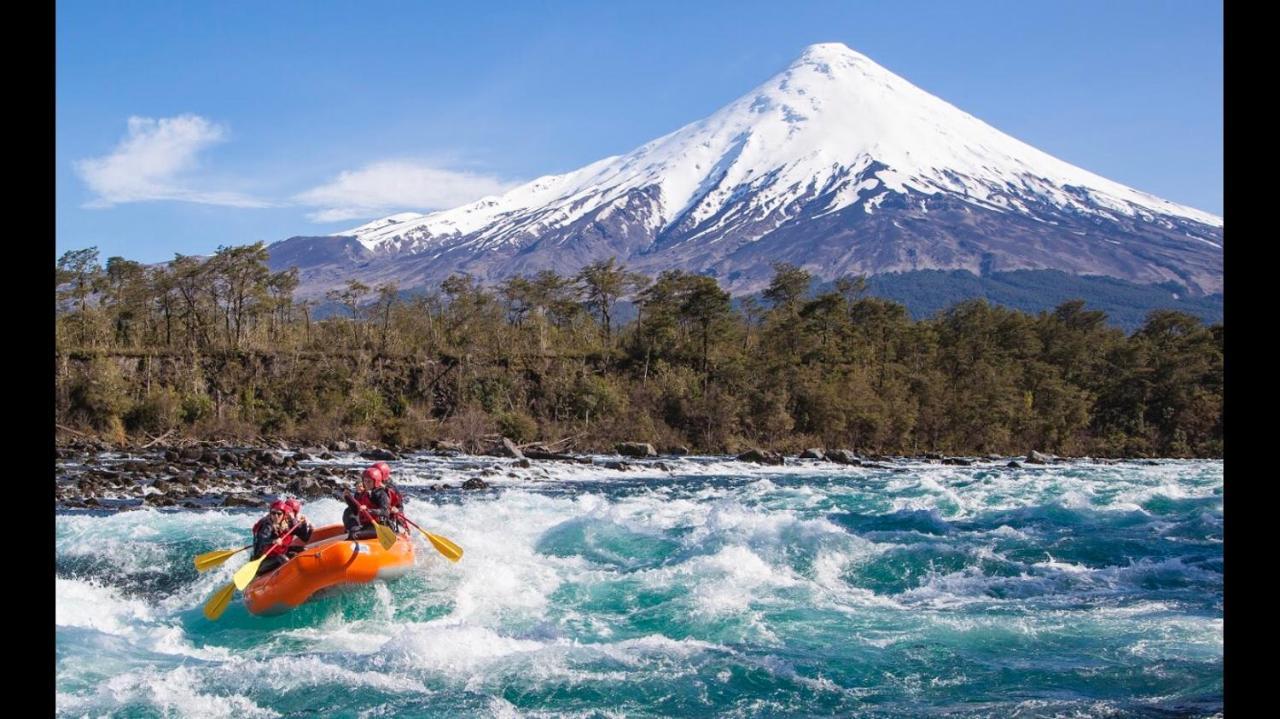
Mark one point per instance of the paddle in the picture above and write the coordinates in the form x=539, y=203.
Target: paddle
x=386, y=537
x=245, y=574
x=209, y=560
x=451, y=551
x=217, y=604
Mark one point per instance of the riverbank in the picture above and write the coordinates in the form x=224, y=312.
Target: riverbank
x=91, y=474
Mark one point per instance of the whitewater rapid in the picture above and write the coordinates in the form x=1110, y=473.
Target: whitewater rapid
x=701, y=587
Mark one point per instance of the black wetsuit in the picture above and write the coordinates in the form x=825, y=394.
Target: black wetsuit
x=357, y=522
x=265, y=535
x=303, y=533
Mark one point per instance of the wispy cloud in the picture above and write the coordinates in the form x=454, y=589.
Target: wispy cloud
x=150, y=162
x=383, y=187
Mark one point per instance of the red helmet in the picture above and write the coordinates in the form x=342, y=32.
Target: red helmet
x=373, y=476
x=279, y=506
x=294, y=505
x=385, y=469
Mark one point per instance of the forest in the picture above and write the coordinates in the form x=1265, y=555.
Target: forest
x=219, y=347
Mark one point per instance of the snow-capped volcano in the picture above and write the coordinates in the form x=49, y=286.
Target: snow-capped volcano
x=835, y=164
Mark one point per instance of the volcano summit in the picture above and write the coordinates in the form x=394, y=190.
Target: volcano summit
x=834, y=164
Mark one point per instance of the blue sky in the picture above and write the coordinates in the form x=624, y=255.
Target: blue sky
x=185, y=126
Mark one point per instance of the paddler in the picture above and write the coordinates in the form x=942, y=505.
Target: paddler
x=397, y=502
x=305, y=528
x=265, y=533
x=371, y=499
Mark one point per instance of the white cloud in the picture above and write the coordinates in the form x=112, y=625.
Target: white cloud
x=149, y=161
x=394, y=185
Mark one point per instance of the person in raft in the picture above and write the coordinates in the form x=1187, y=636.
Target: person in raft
x=303, y=532
x=270, y=528
x=397, y=502
x=371, y=497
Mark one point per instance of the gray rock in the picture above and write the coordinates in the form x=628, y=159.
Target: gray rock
x=544, y=455
x=1039, y=458
x=506, y=448
x=761, y=456
x=813, y=453
x=636, y=449
x=843, y=456
x=678, y=450
x=474, y=483
x=269, y=458
x=379, y=454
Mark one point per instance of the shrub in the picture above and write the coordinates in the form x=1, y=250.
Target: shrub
x=517, y=426
x=98, y=396
x=159, y=411
x=196, y=407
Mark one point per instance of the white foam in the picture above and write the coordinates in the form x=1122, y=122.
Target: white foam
x=86, y=604
x=177, y=692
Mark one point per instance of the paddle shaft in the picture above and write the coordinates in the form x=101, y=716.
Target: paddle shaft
x=444, y=546
x=367, y=513
x=282, y=538
x=224, y=553
x=410, y=521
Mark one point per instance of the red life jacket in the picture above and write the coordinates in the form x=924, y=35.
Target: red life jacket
x=395, y=498
x=278, y=549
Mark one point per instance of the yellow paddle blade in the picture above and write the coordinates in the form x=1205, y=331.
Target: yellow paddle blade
x=217, y=604
x=245, y=574
x=451, y=551
x=209, y=560
x=386, y=537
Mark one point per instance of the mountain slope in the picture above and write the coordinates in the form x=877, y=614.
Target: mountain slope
x=836, y=165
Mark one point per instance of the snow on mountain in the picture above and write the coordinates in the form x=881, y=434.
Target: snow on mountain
x=835, y=163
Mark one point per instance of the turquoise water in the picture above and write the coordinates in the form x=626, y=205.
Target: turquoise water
x=715, y=589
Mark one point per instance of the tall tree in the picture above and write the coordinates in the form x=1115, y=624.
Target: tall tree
x=789, y=285
x=350, y=297
x=79, y=270
x=602, y=284
x=241, y=276
x=388, y=294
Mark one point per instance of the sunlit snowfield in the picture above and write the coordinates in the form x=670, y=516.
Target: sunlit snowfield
x=714, y=589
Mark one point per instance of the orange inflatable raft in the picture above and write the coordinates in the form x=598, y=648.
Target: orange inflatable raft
x=328, y=560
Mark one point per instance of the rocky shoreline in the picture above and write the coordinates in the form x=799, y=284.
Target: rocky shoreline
x=91, y=474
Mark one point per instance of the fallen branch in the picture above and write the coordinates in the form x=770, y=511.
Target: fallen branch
x=156, y=440
x=549, y=445
x=72, y=431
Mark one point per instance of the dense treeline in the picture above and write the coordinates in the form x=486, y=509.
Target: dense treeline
x=218, y=346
